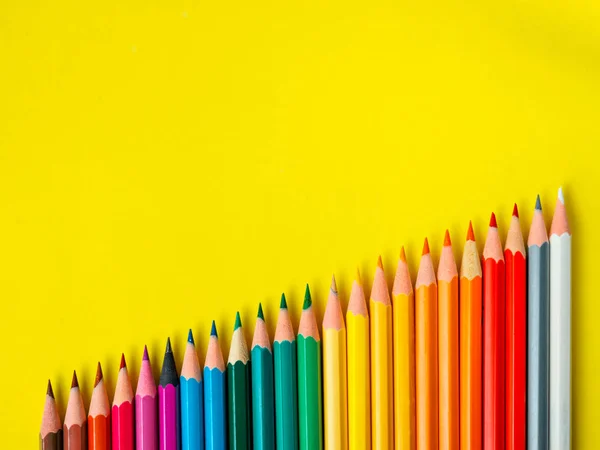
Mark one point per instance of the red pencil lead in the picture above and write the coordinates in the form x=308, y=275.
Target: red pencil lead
x=425, y=247
x=447, y=241
x=470, y=234
x=74, y=381
x=123, y=363
x=493, y=221
x=515, y=211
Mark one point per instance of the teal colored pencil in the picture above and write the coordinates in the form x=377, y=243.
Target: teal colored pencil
x=263, y=394
x=286, y=384
x=310, y=394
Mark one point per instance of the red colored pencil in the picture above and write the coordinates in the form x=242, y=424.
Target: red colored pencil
x=122, y=411
x=99, y=415
x=516, y=336
x=494, y=335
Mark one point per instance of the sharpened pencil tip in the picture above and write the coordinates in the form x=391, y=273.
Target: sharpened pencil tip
x=447, y=241
x=238, y=321
x=380, y=262
x=283, y=303
x=49, y=391
x=493, y=223
x=333, y=286
x=358, y=279
x=307, y=299
x=123, y=363
x=99, y=375
x=402, y=255
x=561, y=196
x=538, y=203
x=168, y=349
x=260, y=314
x=515, y=211
x=145, y=357
x=470, y=233
x=191, y=337
x=74, y=380
x=213, y=329
x=425, y=247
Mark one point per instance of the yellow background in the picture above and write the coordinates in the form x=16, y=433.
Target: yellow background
x=166, y=163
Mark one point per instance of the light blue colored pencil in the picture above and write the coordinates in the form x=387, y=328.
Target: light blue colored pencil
x=215, y=395
x=191, y=393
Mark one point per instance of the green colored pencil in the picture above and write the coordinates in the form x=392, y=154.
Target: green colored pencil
x=238, y=384
x=263, y=389
x=310, y=409
x=286, y=384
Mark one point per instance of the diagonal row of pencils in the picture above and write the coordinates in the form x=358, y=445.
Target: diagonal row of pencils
x=470, y=360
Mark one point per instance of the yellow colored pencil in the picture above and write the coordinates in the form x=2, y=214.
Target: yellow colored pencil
x=404, y=358
x=334, y=374
x=382, y=384
x=359, y=370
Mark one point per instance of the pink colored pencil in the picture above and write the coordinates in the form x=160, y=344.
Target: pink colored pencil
x=146, y=416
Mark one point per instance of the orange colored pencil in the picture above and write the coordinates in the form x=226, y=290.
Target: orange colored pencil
x=471, y=316
x=426, y=344
x=99, y=415
x=75, y=427
x=448, y=348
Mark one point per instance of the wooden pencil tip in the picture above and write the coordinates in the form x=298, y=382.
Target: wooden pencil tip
x=123, y=363
x=99, y=375
x=333, y=286
x=260, y=314
x=447, y=241
x=538, y=203
x=191, y=337
x=283, y=302
x=74, y=381
x=238, y=321
x=146, y=357
x=379, y=262
x=402, y=255
x=213, y=329
x=470, y=233
x=515, y=211
x=307, y=299
x=168, y=348
x=493, y=223
x=425, y=247
x=49, y=391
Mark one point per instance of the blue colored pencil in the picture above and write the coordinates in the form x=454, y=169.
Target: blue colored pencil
x=191, y=393
x=215, y=392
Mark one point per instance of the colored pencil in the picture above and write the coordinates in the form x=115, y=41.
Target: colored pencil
x=516, y=335
x=99, y=415
x=560, y=328
x=310, y=412
x=51, y=433
x=238, y=383
x=263, y=387
x=538, y=331
x=286, y=382
x=494, y=338
x=471, y=353
x=169, y=427
x=359, y=369
x=75, y=426
x=191, y=392
x=426, y=353
x=404, y=358
x=382, y=378
x=122, y=411
x=334, y=373
x=146, y=414
x=448, y=350
x=215, y=400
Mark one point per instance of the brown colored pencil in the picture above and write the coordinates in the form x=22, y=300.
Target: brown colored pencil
x=51, y=430
x=75, y=427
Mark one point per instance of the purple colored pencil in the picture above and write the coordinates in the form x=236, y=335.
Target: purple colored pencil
x=146, y=419
x=168, y=403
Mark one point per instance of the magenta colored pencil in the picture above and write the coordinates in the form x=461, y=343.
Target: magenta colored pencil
x=146, y=414
x=168, y=403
